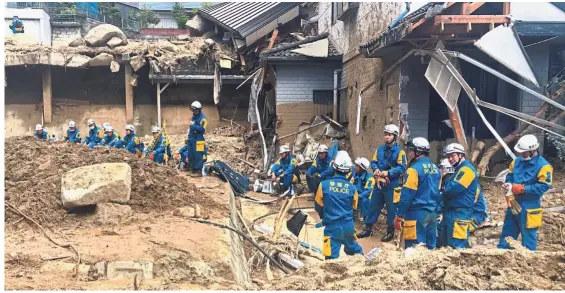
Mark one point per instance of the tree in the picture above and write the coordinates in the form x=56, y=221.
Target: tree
x=202, y=5
x=145, y=16
x=180, y=15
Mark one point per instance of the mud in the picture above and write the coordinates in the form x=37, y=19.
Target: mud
x=33, y=180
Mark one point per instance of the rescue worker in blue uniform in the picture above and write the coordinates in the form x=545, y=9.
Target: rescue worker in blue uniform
x=319, y=170
x=110, y=139
x=156, y=150
x=131, y=142
x=40, y=133
x=480, y=210
x=458, y=198
x=116, y=134
x=16, y=25
x=529, y=177
x=416, y=216
x=196, y=143
x=389, y=163
x=364, y=182
x=95, y=134
x=446, y=172
x=182, y=155
x=335, y=202
x=73, y=134
x=284, y=170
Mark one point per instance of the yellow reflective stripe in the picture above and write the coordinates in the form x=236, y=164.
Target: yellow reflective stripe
x=370, y=182
x=511, y=167
x=477, y=194
x=315, y=164
x=319, y=196
x=545, y=174
x=204, y=123
x=355, y=200
x=375, y=156
x=465, y=176
x=401, y=157
x=411, y=179
x=136, y=140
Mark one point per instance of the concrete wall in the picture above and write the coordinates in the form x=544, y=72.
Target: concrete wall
x=36, y=23
x=82, y=94
x=296, y=83
x=371, y=19
x=65, y=34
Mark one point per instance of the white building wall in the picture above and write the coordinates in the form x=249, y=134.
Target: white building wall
x=36, y=22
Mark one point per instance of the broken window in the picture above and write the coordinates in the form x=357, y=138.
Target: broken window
x=337, y=10
x=323, y=102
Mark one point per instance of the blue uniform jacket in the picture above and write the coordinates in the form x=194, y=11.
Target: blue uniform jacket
x=321, y=166
x=110, y=140
x=480, y=206
x=73, y=136
x=198, y=129
x=421, y=187
x=461, y=189
x=536, y=174
x=94, y=135
x=286, y=166
x=160, y=146
x=364, y=183
x=132, y=143
x=391, y=159
x=43, y=135
x=335, y=200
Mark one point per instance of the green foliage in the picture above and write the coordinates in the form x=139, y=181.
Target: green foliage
x=145, y=16
x=180, y=15
x=204, y=4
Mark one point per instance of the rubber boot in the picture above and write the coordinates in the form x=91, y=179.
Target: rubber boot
x=389, y=235
x=367, y=231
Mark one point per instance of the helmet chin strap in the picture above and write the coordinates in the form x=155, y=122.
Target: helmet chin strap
x=529, y=157
x=457, y=163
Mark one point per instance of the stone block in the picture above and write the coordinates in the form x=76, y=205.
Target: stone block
x=128, y=269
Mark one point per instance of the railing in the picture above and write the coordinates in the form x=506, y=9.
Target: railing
x=34, y=5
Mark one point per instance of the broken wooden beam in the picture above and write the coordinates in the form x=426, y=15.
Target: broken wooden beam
x=505, y=8
x=129, y=93
x=474, y=6
x=457, y=126
x=466, y=19
x=477, y=151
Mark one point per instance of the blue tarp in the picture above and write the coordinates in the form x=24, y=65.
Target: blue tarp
x=91, y=7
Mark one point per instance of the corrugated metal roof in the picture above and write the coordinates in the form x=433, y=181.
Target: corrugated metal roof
x=168, y=6
x=332, y=51
x=246, y=17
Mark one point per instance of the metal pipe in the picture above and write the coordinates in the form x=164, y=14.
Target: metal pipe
x=505, y=78
x=159, y=104
x=336, y=83
x=401, y=16
x=360, y=97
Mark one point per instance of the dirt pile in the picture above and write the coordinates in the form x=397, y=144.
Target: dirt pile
x=34, y=170
x=444, y=269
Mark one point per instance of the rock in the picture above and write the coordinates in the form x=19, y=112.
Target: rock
x=22, y=40
x=128, y=269
x=114, y=66
x=133, y=80
x=79, y=61
x=209, y=42
x=94, y=184
x=101, y=34
x=100, y=268
x=115, y=42
x=198, y=26
x=112, y=213
x=78, y=41
x=197, y=211
x=183, y=37
x=57, y=59
x=166, y=45
x=57, y=267
x=188, y=212
x=102, y=59
x=137, y=62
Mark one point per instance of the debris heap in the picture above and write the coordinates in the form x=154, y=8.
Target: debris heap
x=34, y=170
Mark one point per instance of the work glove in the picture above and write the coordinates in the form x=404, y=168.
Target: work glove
x=152, y=156
x=398, y=223
x=512, y=203
x=518, y=189
x=439, y=218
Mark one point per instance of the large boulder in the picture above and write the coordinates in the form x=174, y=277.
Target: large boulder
x=94, y=184
x=100, y=35
x=115, y=42
x=79, y=61
x=102, y=59
x=77, y=41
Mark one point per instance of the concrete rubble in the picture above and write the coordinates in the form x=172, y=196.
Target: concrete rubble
x=100, y=183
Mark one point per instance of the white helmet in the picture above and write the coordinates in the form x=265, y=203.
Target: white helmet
x=363, y=163
x=419, y=144
x=91, y=122
x=108, y=129
x=284, y=149
x=195, y=105
x=445, y=165
x=72, y=124
x=156, y=129
x=527, y=143
x=38, y=127
x=392, y=129
x=454, y=148
x=342, y=162
x=322, y=148
x=105, y=124
x=130, y=127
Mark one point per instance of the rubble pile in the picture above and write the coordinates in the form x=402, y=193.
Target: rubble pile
x=443, y=269
x=108, y=39
x=34, y=170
